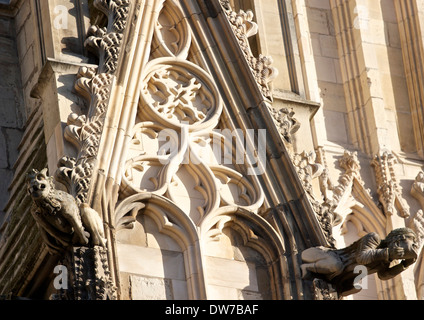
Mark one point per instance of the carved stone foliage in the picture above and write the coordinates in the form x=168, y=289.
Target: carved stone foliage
x=177, y=149
x=351, y=166
x=286, y=123
x=308, y=169
x=350, y=194
x=323, y=290
x=417, y=190
x=106, y=42
x=417, y=224
x=89, y=265
x=388, y=188
x=106, y=46
x=93, y=84
x=89, y=276
x=84, y=132
x=335, y=203
x=417, y=221
x=244, y=27
x=349, y=200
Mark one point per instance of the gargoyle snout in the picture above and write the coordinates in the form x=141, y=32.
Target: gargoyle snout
x=36, y=188
x=411, y=251
x=415, y=252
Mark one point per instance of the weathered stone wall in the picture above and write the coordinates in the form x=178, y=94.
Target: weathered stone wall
x=12, y=111
x=346, y=70
x=22, y=145
x=20, y=65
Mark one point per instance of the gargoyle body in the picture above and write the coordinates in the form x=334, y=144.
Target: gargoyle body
x=58, y=215
x=338, y=266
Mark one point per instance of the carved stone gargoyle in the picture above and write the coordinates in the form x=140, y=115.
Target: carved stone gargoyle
x=338, y=266
x=61, y=222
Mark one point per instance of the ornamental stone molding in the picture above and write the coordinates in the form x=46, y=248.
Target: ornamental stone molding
x=177, y=152
x=188, y=163
x=333, y=203
x=417, y=224
x=183, y=165
x=286, y=123
x=417, y=190
x=388, y=188
x=87, y=259
x=156, y=141
x=308, y=169
x=94, y=84
x=89, y=276
x=417, y=221
x=244, y=27
x=84, y=132
x=350, y=164
x=180, y=104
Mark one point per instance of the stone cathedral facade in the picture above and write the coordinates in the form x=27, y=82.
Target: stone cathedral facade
x=193, y=149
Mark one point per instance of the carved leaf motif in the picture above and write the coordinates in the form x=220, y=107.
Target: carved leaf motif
x=93, y=84
x=417, y=224
x=286, y=123
x=244, y=27
x=116, y=11
x=417, y=190
x=90, y=268
x=389, y=190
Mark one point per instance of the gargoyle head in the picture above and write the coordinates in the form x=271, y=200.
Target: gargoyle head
x=39, y=184
x=403, y=238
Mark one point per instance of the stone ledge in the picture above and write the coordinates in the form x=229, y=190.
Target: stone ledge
x=291, y=97
x=10, y=8
x=55, y=66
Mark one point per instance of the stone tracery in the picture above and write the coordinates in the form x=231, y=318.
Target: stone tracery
x=181, y=102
